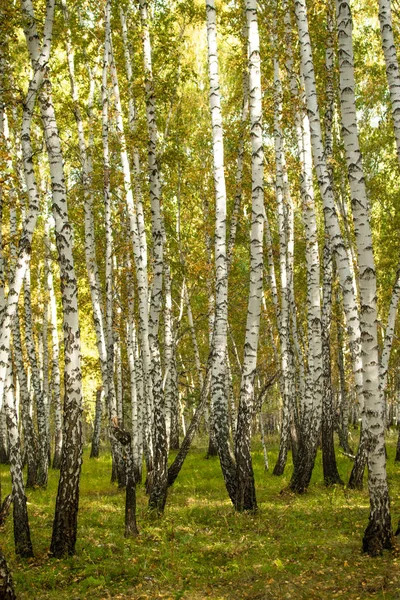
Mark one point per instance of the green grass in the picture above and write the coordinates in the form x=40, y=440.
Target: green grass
x=302, y=547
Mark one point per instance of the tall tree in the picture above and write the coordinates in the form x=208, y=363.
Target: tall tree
x=378, y=534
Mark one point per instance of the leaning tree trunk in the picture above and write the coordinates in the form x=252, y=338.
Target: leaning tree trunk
x=24, y=249
x=378, y=534
x=66, y=512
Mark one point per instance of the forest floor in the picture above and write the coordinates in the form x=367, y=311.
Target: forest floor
x=303, y=547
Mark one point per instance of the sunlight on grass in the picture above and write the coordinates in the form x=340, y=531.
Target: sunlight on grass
x=294, y=547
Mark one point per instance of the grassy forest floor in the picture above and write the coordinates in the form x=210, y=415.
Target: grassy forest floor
x=303, y=547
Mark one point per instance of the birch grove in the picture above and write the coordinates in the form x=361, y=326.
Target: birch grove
x=198, y=245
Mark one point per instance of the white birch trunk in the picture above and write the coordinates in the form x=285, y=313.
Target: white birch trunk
x=55, y=358
x=87, y=168
x=136, y=388
x=41, y=411
x=158, y=493
x=378, y=534
x=389, y=331
x=218, y=389
x=24, y=249
x=245, y=488
x=138, y=236
x=330, y=214
x=392, y=65
x=65, y=520
x=22, y=539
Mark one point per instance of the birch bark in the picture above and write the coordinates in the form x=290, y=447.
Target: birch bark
x=392, y=65
x=22, y=537
x=218, y=391
x=378, y=534
x=24, y=248
x=41, y=400
x=330, y=214
x=65, y=519
x=331, y=474
x=159, y=487
x=245, y=488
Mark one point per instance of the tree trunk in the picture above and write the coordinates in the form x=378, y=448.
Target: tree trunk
x=22, y=536
x=30, y=438
x=378, y=534
x=330, y=214
x=6, y=582
x=41, y=400
x=392, y=65
x=124, y=438
x=331, y=474
x=159, y=488
x=94, y=453
x=219, y=395
x=245, y=494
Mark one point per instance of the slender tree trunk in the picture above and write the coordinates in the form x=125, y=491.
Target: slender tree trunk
x=218, y=389
x=136, y=382
x=389, y=331
x=343, y=420
x=94, y=453
x=212, y=449
x=30, y=438
x=138, y=234
x=124, y=438
x=330, y=214
x=392, y=65
x=24, y=248
x=331, y=474
x=55, y=360
x=263, y=442
x=245, y=488
x=41, y=400
x=22, y=536
x=159, y=488
x=284, y=309
x=378, y=534
x=176, y=466
x=6, y=582
x=65, y=520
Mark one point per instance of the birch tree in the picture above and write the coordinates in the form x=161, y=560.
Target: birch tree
x=245, y=489
x=65, y=520
x=378, y=534
x=218, y=391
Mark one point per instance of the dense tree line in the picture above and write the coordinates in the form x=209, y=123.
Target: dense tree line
x=203, y=197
